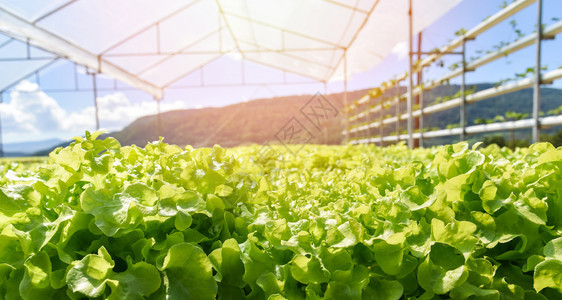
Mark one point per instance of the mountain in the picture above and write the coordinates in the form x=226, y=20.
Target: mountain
x=317, y=118
x=28, y=148
x=260, y=121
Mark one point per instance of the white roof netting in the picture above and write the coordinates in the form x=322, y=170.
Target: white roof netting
x=151, y=44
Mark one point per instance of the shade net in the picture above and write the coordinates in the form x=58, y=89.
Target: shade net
x=161, y=42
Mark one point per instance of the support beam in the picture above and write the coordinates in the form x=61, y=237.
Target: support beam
x=1, y=141
x=490, y=22
x=463, y=96
x=537, y=85
x=421, y=118
x=410, y=79
x=38, y=37
x=368, y=119
x=525, y=83
x=527, y=41
x=510, y=125
x=419, y=97
x=381, y=117
x=95, y=92
x=346, y=115
x=397, y=107
x=159, y=118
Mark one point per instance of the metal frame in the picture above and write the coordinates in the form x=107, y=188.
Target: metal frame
x=38, y=37
x=410, y=80
x=1, y=138
x=19, y=28
x=548, y=33
x=509, y=125
x=95, y=94
x=548, y=77
x=532, y=39
x=537, y=85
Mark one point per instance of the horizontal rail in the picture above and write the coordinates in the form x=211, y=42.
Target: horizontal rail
x=490, y=22
x=522, y=43
x=22, y=29
x=520, y=124
x=472, y=98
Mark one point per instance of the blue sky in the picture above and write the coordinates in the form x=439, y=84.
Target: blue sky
x=33, y=110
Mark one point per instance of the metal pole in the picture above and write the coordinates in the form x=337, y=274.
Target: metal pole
x=346, y=117
x=325, y=127
x=419, y=82
x=1, y=142
x=368, y=131
x=410, y=79
x=96, y=100
x=397, y=112
x=159, y=118
x=421, y=115
x=537, y=86
x=463, y=98
x=381, y=128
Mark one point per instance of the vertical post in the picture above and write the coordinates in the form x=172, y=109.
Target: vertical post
x=397, y=91
x=96, y=100
x=346, y=116
x=410, y=78
x=417, y=142
x=76, y=86
x=421, y=116
x=158, y=118
x=325, y=94
x=463, y=97
x=368, y=131
x=537, y=86
x=381, y=125
x=1, y=141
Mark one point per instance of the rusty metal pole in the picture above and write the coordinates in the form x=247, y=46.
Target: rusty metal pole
x=417, y=121
x=410, y=79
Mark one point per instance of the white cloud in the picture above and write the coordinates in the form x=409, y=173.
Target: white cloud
x=400, y=50
x=116, y=111
x=30, y=111
x=32, y=114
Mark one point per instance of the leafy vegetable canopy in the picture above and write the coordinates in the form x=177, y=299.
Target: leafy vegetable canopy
x=102, y=221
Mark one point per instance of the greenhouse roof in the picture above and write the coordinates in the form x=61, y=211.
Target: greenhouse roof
x=152, y=44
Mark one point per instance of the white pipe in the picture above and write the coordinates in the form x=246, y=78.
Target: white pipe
x=522, y=43
x=478, y=96
x=490, y=22
x=520, y=124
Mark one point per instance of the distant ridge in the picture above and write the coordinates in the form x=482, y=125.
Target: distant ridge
x=27, y=148
x=260, y=121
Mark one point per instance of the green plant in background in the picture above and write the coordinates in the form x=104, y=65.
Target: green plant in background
x=443, y=99
x=483, y=121
x=516, y=29
x=525, y=74
x=554, y=112
x=513, y=116
x=461, y=32
x=509, y=116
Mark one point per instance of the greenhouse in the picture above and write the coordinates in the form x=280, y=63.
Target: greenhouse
x=317, y=149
